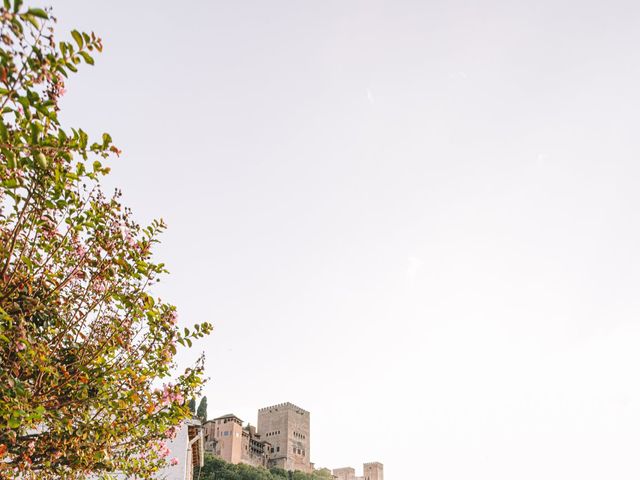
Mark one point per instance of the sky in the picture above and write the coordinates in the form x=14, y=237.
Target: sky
x=416, y=219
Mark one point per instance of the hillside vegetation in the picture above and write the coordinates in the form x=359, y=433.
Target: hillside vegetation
x=217, y=469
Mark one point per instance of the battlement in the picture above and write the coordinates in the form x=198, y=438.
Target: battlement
x=284, y=406
x=373, y=464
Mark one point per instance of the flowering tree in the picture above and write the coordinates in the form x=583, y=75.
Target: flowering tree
x=84, y=346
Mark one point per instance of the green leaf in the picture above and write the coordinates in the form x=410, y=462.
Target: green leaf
x=87, y=58
x=78, y=38
x=24, y=101
x=38, y=12
x=34, y=133
x=13, y=422
x=11, y=159
x=32, y=20
x=84, y=139
x=16, y=5
x=7, y=4
x=11, y=183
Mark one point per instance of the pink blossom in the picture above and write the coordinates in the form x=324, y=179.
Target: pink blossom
x=99, y=286
x=164, y=450
x=126, y=235
x=20, y=346
x=80, y=250
x=169, y=395
x=174, y=461
x=173, y=317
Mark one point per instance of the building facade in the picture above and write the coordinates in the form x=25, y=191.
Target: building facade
x=227, y=438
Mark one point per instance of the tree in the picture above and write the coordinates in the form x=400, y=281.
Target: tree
x=192, y=406
x=202, y=410
x=87, y=382
x=217, y=469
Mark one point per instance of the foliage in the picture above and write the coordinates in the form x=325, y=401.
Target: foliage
x=192, y=406
x=202, y=410
x=84, y=346
x=217, y=469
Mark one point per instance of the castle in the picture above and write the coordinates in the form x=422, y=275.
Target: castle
x=282, y=439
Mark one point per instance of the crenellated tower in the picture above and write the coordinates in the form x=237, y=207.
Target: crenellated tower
x=287, y=428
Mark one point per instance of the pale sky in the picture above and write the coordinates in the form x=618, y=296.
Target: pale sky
x=416, y=219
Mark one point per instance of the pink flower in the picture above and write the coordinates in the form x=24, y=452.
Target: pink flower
x=99, y=286
x=164, y=451
x=174, y=461
x=170, y=395
x=126, y=235
x=20, y=346
x=80, y=250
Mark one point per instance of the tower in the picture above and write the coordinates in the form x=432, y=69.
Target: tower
x=345, y=473
x=287, y=428
x=373, y=471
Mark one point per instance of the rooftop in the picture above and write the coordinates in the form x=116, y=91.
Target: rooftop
x=228, y=415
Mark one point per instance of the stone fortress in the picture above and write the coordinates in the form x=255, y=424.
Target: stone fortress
x=282, y=440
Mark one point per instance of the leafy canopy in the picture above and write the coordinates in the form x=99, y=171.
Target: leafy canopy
x=217, y=469
x=84, y=345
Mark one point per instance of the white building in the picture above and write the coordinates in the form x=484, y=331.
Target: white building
x=188, y=449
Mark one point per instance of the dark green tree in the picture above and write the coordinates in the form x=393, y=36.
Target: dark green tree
x=192, y=406
x=202, y=410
